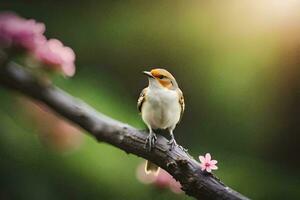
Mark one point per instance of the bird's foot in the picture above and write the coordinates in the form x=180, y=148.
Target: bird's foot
x=173, y=143
x=183, y=149
x=150, y=141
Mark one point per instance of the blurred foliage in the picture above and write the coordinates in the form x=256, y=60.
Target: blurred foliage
x=237, y=63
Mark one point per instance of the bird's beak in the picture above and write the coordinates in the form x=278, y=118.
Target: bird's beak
x=148, y=74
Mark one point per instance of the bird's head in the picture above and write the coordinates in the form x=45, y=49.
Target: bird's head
x=161, y=78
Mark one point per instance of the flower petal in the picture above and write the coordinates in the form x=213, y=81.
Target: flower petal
x=214, y=167
x=54, y=55
x=208, y=169
x=213, y=162
x=202, y=159
x=207, y=157
x=202, y=167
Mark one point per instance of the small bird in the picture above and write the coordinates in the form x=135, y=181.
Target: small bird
x=161, y=105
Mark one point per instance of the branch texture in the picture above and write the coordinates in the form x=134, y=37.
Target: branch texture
x=178, y=163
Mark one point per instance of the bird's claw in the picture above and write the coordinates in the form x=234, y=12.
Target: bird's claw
x=173, y=143
x=150, y=141
x=183, y=149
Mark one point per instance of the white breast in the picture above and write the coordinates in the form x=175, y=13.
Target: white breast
x=161, y=110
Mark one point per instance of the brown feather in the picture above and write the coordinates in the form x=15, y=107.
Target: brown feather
x=141, y=99
x=151, y=168
x=181, y=102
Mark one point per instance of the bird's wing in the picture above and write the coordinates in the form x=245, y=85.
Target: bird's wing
x=141, y=99
x=181, y=102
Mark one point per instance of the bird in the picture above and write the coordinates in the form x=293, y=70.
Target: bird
x=161, y=105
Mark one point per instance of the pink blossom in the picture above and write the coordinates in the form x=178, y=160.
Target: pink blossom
x=56, y=56
x=165, y=180
x=52, y=131
x=162, y=180
x=207, y=164
x=19, y=32
x=175, y=186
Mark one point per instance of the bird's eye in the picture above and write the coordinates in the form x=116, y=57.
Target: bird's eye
x=160, y=76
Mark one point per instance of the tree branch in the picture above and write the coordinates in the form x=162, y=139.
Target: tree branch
x=178, y=163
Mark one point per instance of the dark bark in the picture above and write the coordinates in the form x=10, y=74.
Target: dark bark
x=178, y=163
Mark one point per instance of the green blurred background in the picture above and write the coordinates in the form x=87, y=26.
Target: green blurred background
x=237, y=62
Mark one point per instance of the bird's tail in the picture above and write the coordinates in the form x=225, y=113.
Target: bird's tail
x=151, y=168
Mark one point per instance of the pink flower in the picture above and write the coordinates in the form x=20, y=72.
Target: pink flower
x=56, y=56
x=175, y=187
x=207, y=164
x=52, y=131
x=163, y=180
x=19, y=32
